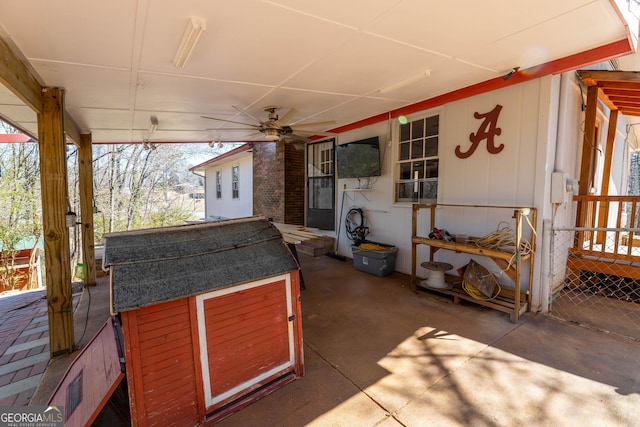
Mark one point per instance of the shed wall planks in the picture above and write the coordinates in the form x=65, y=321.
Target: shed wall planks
x=165, y=370
x=247, y=335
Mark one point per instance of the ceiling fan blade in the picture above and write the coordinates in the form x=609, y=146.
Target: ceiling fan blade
x=313, y=125
x=236, y=129
x=288, y=116
x=229, y=121
x=246, y=113
x=314, y=132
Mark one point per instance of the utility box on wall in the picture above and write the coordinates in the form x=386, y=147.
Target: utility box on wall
x=211, y=318
x=561, y=187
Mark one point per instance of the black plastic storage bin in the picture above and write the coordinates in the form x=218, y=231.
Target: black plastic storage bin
x=380, y=262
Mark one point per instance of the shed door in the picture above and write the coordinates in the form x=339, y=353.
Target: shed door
x=246, y=338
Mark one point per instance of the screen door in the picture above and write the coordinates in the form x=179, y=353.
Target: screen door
x=321, y=185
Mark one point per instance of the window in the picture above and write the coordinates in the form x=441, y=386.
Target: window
x=218, y=184
x=235, y=178
x=326, y=161
x=417, y=164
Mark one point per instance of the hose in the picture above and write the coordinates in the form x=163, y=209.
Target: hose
x=474, y=293
x=356, y=231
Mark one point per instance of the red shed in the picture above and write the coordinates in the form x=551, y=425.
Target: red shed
x=210, y=317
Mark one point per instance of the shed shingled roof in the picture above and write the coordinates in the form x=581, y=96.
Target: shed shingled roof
x=163, y=264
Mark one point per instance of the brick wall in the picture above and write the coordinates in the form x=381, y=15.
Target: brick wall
x=278, y=182
x=294, y=184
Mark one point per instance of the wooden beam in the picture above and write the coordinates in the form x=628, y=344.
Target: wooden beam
x=627, y=104
x=631, y=112
x=72, y=130
x=53, y=182
x=18, y=79
x=633, y=93
x=606, y=172
x=619, y=85
x=601, y=75
x=85, y=182
x=605, y=99
x=588, y=142
x=608, y=154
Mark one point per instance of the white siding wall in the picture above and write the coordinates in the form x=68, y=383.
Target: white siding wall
x=517, y=176
x=228, y=207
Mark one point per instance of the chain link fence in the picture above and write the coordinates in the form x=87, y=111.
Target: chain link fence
x=598, y=287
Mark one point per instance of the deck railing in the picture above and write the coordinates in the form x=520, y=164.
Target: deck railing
x=606, y=226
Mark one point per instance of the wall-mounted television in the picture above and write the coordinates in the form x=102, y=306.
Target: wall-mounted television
x=359, y=159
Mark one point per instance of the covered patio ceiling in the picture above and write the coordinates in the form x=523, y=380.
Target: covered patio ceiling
x=346, y=63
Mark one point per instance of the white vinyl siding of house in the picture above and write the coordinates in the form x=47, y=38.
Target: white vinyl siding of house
x=220, y=200
x=515, y=176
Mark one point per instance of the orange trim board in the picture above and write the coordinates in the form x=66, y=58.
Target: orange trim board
x=14, y=137
x=572, y=62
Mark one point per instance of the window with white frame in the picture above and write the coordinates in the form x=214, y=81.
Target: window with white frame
x=326, y=161
x=218, y=184
x=417, y=162
x=235, y=178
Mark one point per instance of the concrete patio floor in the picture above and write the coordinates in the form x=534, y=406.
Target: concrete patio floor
x=377, y=354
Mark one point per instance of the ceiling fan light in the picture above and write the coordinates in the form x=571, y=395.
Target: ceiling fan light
x=192, y=33
x=271, y=134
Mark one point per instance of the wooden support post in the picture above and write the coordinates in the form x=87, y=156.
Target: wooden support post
x=608, y=153
x=603, y=212
x=414, y=232
x=53, y=182
x=588, y=148
x=589, y=143
x=85, y=178
x=18, y=79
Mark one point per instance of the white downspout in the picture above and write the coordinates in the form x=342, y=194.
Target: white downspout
x=547, y=262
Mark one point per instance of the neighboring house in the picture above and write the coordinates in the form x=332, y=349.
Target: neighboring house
x=271, y=183
x=228, y=184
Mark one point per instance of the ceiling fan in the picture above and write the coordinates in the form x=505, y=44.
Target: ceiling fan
x=276, y=128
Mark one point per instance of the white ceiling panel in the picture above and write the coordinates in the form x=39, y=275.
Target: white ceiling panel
x=87, y=86
x=360, y=68
x=328, y=59
x=240, y=43
x=175, y=94
x=75, y=31
x=537, y=45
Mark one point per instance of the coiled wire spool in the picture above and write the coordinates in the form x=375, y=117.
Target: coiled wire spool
x=436, y=277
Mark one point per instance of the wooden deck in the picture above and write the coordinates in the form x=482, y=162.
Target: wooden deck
x=607, y=237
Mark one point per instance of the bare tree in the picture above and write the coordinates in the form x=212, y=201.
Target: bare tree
x=134, y=186
x=20, y=213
